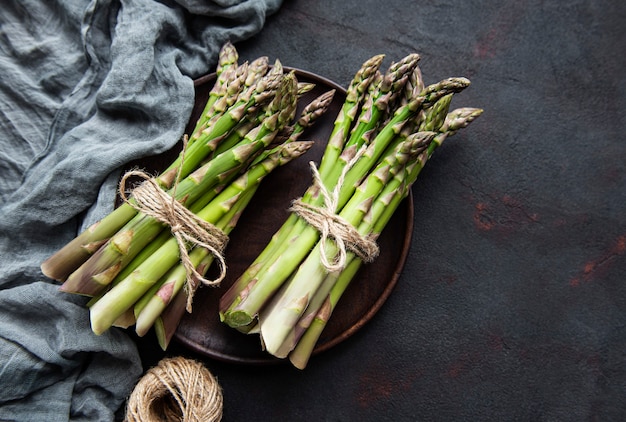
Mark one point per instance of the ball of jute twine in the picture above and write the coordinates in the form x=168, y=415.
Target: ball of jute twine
x=177, y=389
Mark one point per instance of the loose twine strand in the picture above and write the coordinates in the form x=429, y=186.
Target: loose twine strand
x=186, y=227
x=177, y=389
x=332, y=226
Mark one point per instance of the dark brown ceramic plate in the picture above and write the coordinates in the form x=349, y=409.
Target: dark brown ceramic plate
x=202, y=332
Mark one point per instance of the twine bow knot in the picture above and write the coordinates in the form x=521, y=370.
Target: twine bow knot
x=186, y=227
x=331, y=225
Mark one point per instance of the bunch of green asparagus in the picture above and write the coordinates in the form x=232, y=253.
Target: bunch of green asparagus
x=388, y=128
x=132, y=264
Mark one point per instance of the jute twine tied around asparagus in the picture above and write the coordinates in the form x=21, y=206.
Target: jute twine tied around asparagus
x=177, y=389
x=185, y=226
x=331, y=225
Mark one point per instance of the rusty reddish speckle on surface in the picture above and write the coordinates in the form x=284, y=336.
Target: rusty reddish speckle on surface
x=504, y=213
x=374, y=387
x=481, y=217
x=593, y=266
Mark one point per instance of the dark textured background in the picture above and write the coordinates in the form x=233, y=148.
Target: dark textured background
x=512, y=305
